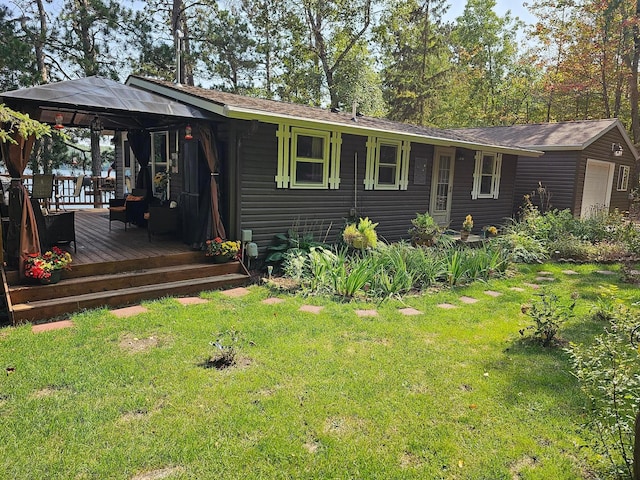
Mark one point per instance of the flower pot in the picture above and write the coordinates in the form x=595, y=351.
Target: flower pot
x=464, y=235
x=54, y=278
x=221, y=258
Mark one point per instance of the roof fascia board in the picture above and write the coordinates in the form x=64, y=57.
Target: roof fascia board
x=248, y=114
x=267, y=117
x=176, y=95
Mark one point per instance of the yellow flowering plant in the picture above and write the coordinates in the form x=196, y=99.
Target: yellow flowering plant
x=40, y=266
x=226, y=248
x=467, y=225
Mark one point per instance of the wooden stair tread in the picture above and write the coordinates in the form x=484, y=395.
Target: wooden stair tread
x=78, y=299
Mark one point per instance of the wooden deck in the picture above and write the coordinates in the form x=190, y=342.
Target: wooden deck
x=96, y=244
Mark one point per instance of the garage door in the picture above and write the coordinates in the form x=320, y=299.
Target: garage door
x=596, y=194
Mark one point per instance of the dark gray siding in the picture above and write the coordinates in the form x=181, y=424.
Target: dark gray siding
x=268, y=210
x=485, y=211
x=556, y=171
x=601, y=150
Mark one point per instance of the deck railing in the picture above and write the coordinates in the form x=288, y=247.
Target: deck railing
x=94, y=192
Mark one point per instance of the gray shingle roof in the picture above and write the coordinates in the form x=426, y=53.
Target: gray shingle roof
x=239, y=106
x=575, y=134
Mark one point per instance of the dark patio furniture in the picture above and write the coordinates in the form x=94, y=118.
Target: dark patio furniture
x=129, y=210
x=162, y=220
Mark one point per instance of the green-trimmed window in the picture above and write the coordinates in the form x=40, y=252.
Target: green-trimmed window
x=309, y=158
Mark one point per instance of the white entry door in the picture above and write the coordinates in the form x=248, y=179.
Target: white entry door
x=442, y=185
x=596, y=193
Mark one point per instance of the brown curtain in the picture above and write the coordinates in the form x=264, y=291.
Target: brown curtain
x=22, y=236
x=208, y=141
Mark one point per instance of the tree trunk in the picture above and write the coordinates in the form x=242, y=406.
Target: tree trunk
x=636, y=450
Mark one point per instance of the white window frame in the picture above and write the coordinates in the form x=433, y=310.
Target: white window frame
x=623, y=178
x=398, y=146
x=495, y=175
x=154, y=164
x=288, y=160
x=372, y=173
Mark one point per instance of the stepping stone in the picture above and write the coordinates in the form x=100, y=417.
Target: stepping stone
x=129, y=311
x=605, y=272
x=570, y=272
x=491, y=293
x=544, y=272
x=468, y=300
x=535, y=286
x=367, y=313
x=272, y=301
x=517, y=289
x=545, y=279
x=235, y=292
x=311, y=309
x=46, y=327
x=192, y=300
x=446, y=306
x=410, y=311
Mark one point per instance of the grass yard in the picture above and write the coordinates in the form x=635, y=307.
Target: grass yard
x=449, y=393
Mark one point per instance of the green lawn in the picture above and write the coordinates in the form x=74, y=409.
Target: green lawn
x=449, y=394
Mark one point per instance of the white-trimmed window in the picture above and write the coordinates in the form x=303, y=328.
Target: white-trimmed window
x=387, y=164
x=486, y=176
x=308, y=158
x=623, y=178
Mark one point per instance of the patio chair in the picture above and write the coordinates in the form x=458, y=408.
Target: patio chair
x=76, y=192
x=42, y=187
x=130, y=209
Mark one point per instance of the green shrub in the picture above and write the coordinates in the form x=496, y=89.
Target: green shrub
x=609, y=375
x=522, y=248
x=571, y=247
x=425, y=230
x=361, y=236
x=547, y=313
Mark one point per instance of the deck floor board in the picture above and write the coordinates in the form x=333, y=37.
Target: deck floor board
x=95, y=243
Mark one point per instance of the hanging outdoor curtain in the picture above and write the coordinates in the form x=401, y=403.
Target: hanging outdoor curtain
x=207, y=139
x=140, y=143
x=22, y=234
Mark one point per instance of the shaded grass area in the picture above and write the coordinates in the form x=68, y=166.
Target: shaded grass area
x=447, y=394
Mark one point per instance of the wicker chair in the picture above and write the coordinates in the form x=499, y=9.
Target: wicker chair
x=162, y=220
x=129, y=210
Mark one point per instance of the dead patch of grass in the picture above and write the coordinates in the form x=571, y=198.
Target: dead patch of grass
x=158, y=474
x=133, y=344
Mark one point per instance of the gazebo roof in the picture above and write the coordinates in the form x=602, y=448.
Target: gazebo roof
x=118, y=106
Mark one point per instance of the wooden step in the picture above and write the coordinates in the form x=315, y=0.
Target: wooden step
x=115, y=281
x=53, y=307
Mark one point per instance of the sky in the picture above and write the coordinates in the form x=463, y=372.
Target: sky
x=517, y=9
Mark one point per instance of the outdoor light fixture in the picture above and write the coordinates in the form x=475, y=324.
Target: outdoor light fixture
x=187, y=133
x=617, y=149
x=58, y=125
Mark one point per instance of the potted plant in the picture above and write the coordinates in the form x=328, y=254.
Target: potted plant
x=361, y=236
x=425, y=230
x=47, y=267
x=490, y=231
x=222, y=251
x=467, y=226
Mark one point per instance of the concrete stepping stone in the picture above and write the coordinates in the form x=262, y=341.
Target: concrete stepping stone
x=409, y=311
x=570, y=272
x=272, y=301
x=235, y=292
x=446, y=306
x=545, y=279
x=468, y=300
x=535, y=286
x=47, y=327
x=492, y=293
x=192, y=300
x=367, y=313
x=311, y=309
x=129, y=311
x=544, y=273
x=605, y=272
x=517, y=289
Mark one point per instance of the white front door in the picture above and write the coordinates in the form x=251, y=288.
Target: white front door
x=442, y=185
x=596, y=193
